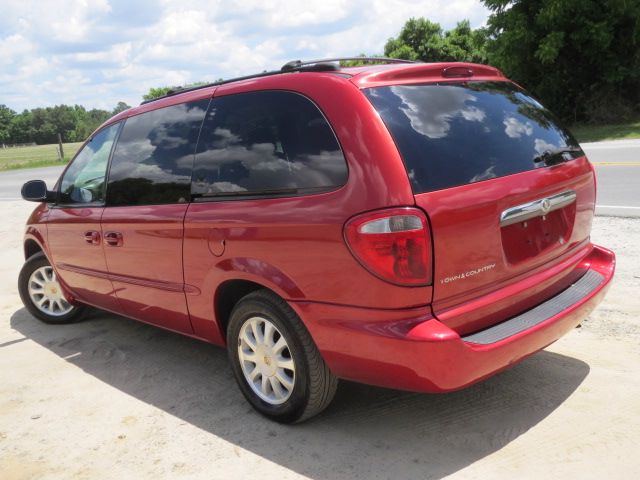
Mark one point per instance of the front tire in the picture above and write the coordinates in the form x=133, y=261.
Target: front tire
x=275, y=362
x=42, y=294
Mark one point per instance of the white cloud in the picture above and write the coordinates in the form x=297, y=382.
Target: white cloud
x=487, y=174
x=514, y=128
x=472, y=114
x=431, y=112
x=79, y=19
x=14, y=48
x=97, y=52
x=541, y=146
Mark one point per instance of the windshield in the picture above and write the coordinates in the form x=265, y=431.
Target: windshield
x=452, y=134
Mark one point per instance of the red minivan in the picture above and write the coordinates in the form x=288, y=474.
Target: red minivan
x=410, y=225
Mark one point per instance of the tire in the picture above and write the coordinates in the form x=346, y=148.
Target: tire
x=38, y=280
x=288, y=395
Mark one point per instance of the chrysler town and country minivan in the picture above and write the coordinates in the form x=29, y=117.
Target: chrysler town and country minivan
x=409, y=225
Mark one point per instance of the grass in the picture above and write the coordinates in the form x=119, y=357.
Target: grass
x=597, y=133
x=36, y=156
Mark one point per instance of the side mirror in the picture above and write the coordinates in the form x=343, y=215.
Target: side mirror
x=36, y=191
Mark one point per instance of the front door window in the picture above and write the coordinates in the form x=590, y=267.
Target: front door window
x=84, y=181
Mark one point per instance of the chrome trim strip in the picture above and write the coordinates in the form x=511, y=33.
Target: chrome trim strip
x=537, y=208
x=142, y=282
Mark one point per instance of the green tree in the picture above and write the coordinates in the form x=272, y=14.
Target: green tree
x=462, y=43
x=81, y=129
x=44, y=130
x=6, y=115
x=88, y=120
x=21, y=128
x=422, y=39
x=95, y=118
x=580, y=57
x=120, y=107
x=64, y=119
x=156, y=92
x=358, y=63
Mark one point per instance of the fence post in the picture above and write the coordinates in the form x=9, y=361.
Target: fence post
x=60, y=147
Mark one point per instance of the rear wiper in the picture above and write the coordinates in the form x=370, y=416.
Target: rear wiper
x=555, y=156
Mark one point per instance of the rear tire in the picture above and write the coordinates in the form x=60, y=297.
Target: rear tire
x=42, y=295
x=277, y=366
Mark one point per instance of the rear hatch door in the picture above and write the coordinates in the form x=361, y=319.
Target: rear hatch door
x=508, y=192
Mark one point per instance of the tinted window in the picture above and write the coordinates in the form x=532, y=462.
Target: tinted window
x=84, y=181
x=458, y=133
x=153, y=159
x=266, y=143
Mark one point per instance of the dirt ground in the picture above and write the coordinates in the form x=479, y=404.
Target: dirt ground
x=110, y=398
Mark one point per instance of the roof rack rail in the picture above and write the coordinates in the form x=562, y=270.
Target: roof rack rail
x=176, y=90
x=296, y=65
x=322, y=65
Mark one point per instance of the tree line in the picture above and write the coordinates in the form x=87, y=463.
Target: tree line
x=42, y=125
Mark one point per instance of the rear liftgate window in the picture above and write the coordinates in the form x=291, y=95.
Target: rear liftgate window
x=266, y=143
x=452, y=134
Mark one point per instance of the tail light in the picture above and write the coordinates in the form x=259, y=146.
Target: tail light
x=394, y=245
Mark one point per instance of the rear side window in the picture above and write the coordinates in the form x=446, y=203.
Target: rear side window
x=266, y=143
x=153, y=159
x=453, y=134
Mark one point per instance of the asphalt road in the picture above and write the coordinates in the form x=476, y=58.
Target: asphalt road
x=617, y=165
x=618, y=175
x=12, y=180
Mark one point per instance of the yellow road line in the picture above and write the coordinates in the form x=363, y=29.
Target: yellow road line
x=615, y=164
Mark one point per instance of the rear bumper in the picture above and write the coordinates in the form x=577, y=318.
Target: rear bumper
x=411, y=350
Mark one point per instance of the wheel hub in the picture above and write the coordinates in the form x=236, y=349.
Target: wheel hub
x=46, y=294
x=52, y=290
x=266, y=360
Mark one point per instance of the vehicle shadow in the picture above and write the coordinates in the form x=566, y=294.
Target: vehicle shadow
x=367, y=432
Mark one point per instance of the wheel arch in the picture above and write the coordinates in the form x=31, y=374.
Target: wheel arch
x=31, y=247
x=33, y=244
x=246, y=275
x=227, y=296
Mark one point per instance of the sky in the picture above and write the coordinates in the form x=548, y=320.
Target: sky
x=98, y=52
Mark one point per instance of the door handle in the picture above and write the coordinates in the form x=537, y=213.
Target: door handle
x=113, y=239
x=92, y=237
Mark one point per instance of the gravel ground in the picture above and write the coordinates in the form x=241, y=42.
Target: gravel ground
x=110, y=398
